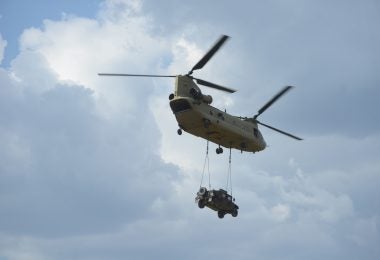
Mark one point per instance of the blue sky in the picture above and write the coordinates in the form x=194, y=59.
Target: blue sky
x=17, y=15
x=92, y=167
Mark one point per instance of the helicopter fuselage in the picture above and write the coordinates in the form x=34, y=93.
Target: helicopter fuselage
x=196, y=116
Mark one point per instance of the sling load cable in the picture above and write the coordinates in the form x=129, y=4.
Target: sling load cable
x=207, y=161
x=229, y=176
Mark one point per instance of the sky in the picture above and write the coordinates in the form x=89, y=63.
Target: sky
x=92, y=167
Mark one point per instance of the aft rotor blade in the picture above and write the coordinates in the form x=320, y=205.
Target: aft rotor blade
x=209, y=54
x=213, y=85
x=136, y=75
x=280, y=131
x=274, y=99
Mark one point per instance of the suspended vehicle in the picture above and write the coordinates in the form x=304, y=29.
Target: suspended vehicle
x=218, y=200
x=195, y=114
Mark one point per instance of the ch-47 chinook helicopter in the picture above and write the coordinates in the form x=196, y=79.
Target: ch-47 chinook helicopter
x=195, y=115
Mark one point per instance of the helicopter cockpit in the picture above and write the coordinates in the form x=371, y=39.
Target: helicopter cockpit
x=179, y=105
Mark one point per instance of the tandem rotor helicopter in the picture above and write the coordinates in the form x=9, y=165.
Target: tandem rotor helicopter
x=195, y=115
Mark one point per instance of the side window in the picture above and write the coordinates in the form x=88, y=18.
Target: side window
x=220, y=115
x=255, y=132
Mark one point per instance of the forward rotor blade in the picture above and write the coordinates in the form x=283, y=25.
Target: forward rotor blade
x=274, y=99
x=213, y=85
x=280, y=131
x=136, y=75
x=209, y=54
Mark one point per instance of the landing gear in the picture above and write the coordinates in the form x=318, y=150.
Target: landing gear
x=179, y=131
x=219, y=150
x=221, y=214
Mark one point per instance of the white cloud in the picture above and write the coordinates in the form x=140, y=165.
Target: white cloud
x=280, y=212
x=58, y=147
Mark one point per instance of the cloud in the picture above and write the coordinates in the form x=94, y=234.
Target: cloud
x=64, y=158
x=92, y=167
x=65, y=142
x=329, y=53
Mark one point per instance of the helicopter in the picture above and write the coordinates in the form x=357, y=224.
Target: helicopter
x=195, y=115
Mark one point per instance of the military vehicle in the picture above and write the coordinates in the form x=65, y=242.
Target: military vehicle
x=218, y=200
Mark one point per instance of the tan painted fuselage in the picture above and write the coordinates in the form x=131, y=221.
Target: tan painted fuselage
x=196, y=116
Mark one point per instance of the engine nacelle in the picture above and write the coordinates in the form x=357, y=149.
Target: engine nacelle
x=197, y=94
x=207, y=99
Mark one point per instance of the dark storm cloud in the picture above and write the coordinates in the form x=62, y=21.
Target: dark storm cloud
x=59, y=159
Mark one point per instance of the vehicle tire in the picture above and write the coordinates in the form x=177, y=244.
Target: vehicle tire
x=234, y=213
x=220, y=214
x=202, y=191
x=201, y=204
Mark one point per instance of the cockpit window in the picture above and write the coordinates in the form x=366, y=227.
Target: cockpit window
x=179, y=105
